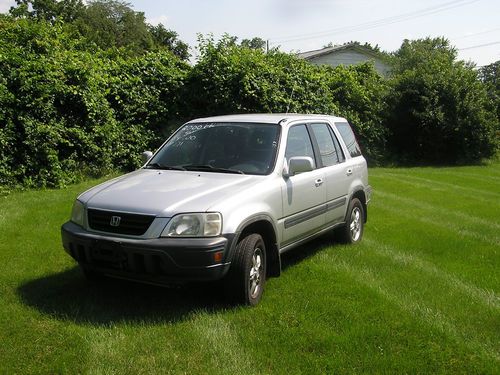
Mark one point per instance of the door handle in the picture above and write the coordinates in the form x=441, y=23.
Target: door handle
x=349, y=171
x=318, y=182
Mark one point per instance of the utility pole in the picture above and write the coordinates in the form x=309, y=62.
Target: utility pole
x=267, y=46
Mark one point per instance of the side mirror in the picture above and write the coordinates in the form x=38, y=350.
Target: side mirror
x=298, y=164
x=145, y=156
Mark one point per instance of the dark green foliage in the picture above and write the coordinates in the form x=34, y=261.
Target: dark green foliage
x=233, y=79
x=163, y=37
x=111, y=23
x=48, y=10
x=106, y=23
x=144, y=92
x=67, y=112
x=59, y=122
x=490, y=76
x=359, y=92
x=69, y=108
x=438, y=110
x=254, y=43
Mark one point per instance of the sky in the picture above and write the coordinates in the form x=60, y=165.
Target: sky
x=472, y=26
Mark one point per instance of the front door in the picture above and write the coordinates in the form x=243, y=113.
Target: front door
x=303, y=194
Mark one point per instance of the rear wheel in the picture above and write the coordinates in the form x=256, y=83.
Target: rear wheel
x=352, y=231
x=247, y=275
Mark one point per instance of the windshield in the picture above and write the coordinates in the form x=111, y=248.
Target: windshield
x=247, y=148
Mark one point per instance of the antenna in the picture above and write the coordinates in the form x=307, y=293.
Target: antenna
x=289, y=100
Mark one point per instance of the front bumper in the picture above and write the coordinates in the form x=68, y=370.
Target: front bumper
x=158, y=260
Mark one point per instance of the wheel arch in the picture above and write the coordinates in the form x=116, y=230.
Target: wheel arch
x=263, y=226
x=360, y=194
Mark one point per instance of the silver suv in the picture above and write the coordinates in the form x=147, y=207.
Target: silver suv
x=223, y=198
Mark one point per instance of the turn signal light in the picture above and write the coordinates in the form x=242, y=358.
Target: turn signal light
x=218, y=256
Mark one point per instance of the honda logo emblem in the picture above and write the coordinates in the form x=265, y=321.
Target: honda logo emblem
x=115, y=221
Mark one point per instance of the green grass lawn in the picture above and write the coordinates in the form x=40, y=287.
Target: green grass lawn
x=421, y=294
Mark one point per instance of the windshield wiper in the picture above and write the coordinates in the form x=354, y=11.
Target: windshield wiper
x=166, y=167
x=209, y=168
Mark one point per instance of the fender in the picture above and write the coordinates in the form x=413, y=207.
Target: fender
x=358, y=191
x=264, y=224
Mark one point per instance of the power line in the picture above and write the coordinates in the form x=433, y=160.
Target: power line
x=480, y=45
x=475, y=34
x=377, y=23
x=380, y=22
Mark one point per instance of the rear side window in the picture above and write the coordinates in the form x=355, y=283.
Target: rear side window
x=329, y=151
x=349, y=138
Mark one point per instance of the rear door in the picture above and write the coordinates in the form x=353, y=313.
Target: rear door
x=336, y=169
x=303, y=194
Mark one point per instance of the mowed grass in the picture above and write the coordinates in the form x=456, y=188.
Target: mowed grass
x=421, y=294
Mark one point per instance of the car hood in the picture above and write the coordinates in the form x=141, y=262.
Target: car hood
x=165, y=193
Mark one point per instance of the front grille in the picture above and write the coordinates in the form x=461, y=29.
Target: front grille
x=132, y=224
x=110, y=256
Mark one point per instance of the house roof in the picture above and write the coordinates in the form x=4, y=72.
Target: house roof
x=309, y=55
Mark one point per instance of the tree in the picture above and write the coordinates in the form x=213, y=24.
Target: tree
x=229, y=78
x=168, y=39
x=107, y=23
x=67, y=110
x=375, y=49
x=48, y=10
x=427, y=54
x=254, y=43
x=438, y=110
x=490, y=76
x=111, y=23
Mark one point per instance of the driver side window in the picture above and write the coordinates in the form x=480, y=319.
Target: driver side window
x=299, y=143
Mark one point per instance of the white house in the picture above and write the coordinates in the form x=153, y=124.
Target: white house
x=347, y=54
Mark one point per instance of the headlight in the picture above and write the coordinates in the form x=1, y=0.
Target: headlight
x=194, y=225
x=77, y=215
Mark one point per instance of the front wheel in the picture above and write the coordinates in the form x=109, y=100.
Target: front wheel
x=247, y=275
x=352, y=231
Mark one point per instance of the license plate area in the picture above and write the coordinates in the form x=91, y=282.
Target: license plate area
x=109, y=254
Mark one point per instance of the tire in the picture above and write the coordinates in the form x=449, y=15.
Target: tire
x=247, y=275
x=352, y=231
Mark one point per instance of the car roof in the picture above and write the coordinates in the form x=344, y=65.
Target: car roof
x=268, y=118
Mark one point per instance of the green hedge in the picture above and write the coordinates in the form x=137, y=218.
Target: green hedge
x=69, y=109
x=438, y=110
x=232, y=79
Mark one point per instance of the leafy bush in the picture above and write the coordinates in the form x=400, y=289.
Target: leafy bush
x=490, y=76
x=146, y=90
x=69, y=108
x=359, y=92
x=68, y=111
x=105, y=23
x=438, y=110
x=232, y=79
x=235, y=79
